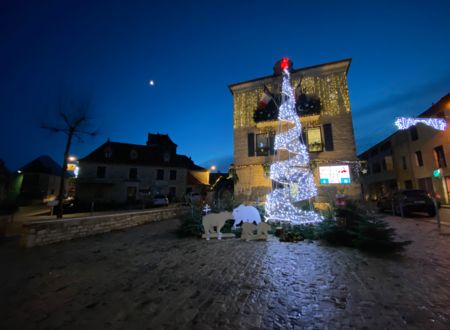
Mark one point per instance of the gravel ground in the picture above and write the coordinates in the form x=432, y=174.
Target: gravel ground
x=146, y=278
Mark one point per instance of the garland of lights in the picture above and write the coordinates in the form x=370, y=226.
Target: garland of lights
x=406, y=122
x=294, y=177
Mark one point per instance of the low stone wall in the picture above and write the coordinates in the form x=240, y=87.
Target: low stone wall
x=51, y=231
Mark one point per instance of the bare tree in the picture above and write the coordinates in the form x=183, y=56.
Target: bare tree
x=74, y=122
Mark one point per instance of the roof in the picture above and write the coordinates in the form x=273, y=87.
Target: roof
x=137, y=154
x=346, y=62
x=435, y=107
x=44, y=165
x=193, y=181
x=160, y=140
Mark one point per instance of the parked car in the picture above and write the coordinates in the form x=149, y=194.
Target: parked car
x=412, y=200
x=160, y=200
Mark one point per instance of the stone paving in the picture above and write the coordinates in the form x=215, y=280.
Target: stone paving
x=146, y=278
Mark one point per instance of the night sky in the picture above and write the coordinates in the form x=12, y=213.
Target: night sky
x=108, y=51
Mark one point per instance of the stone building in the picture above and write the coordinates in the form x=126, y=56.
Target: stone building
x=326, y=117
x=118, y=172
x=415, y=158
x=39, y=180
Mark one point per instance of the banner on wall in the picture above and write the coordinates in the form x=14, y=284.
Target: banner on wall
x=334, y=174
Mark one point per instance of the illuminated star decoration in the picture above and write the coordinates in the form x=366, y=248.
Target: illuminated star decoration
x=296, y=182
x=406, y=122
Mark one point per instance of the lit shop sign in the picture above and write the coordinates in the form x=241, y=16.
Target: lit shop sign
x=334, y=174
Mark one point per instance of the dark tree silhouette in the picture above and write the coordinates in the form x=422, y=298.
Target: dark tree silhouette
x=74, y=122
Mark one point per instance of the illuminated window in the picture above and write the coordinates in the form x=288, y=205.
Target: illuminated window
x=439, y=157
x=314, y=136
x=262, y=145
x=419, y=159
x=389, y=163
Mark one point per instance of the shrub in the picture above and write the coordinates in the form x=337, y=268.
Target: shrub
x=191, y=225
x=354, y=227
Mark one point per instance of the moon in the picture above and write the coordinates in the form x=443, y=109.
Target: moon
x=151, y=82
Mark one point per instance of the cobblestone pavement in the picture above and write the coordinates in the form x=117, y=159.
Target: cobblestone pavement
x=146, y=278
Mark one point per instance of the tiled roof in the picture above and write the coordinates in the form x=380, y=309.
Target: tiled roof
x=137, y=154
x=43, y=165
x=162, y=140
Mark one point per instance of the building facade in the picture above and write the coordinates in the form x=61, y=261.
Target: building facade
x=325, y=114
x=39, y=180
x=415, y=158
x=127, y=173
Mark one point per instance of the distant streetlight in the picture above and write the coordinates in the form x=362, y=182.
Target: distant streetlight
x=151, y=82
x=72, y=158
x=213, y=168
x=19, y=171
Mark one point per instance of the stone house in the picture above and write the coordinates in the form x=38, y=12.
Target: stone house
x=325, y=114
x=39, y=180
x=118, y=172
x=415, y=158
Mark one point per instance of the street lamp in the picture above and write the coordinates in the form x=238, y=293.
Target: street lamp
x=213, y=168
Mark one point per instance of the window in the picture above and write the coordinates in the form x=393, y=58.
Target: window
x=133, y=154
x=108, y=152
x=404, y=163
x=133, y=174
x=388, y=163
x=101, y=172
x=439, y=157
x=160, y=174
x=262, y=145
x=131, y=194
x=314, y=136
x=167, y=157
x=414, y=133
x=173, y=174
x=419, y=159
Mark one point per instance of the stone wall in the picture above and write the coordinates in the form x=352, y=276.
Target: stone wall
x=51, y=231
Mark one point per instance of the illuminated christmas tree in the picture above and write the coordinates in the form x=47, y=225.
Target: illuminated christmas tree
x=294, y=181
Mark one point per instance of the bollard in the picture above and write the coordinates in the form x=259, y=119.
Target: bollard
x=401, y=210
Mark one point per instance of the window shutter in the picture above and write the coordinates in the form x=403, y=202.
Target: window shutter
x=328, y=137
x=272, y=144
x=303, y=137
x=251, y=144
